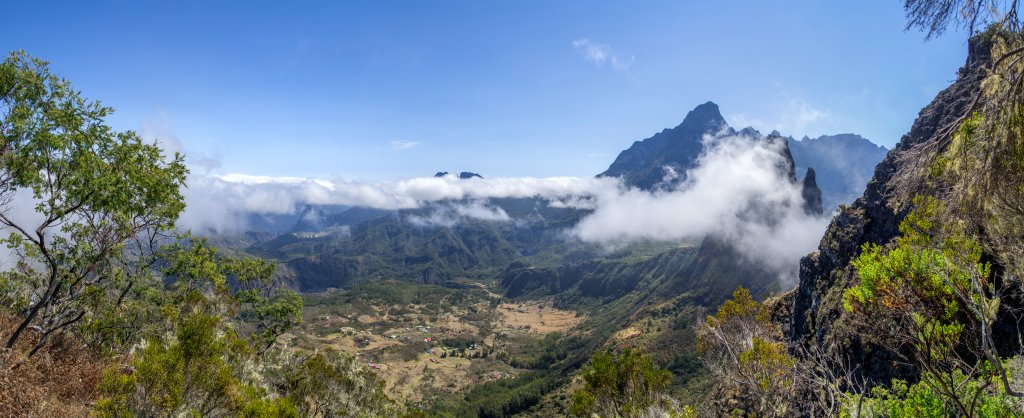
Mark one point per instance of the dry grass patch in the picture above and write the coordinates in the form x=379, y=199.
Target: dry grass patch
x=59, y=381
x=537, y=317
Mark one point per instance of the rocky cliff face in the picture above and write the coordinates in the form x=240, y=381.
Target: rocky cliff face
x=818, y=319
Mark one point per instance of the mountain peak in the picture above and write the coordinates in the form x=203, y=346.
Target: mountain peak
x=705, y=116
x=646, y=162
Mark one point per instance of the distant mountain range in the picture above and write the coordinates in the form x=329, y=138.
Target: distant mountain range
x=324, y=246
x=843, y=163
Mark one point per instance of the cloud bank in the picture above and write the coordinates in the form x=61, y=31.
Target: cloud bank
x=450, y=214
x=221, y=203
x=737, y=193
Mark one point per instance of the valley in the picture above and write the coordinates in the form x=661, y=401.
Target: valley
x=451, y=313
x=428, y=342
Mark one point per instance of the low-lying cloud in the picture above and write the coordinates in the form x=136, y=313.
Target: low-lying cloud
x=738, y=193
x=449, y=215
x=221, y=203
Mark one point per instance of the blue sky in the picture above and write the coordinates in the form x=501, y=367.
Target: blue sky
x=376, y=90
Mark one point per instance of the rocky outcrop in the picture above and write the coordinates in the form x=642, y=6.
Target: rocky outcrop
x=811, y=194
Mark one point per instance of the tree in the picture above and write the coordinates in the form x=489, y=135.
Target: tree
x=623, y=384
x=934, y=16
x=742, y=348
x=271, y=308
x=95, y=192
x=196, y=359
x=333, y=384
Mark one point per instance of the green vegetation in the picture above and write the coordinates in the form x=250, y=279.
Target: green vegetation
x=931, y=300
x=742, y=348
x=624, y=384
x=101, y=196
x=922, y=400
x=185, y=331
x=503, y=397
x=193, y=360
x=334, y=385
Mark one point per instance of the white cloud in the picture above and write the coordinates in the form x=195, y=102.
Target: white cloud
x=402, y=145
x=157, y=129
x=600, y=54
x=804, y=115
x=218, y=202
x=449, y=215
x=737, y=193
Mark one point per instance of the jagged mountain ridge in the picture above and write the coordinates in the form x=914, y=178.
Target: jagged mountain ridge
x=843, y=163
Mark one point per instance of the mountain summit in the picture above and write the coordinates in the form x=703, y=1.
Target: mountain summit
x=646, y=162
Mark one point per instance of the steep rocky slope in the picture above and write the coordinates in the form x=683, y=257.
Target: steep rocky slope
x=818, y=318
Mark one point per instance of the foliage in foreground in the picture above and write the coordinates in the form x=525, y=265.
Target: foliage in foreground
x=621, y=384
x=932, y=301
x=102, y=270
x=213, y=354
x=99, y=197
x=902, y=400
x=743, y=350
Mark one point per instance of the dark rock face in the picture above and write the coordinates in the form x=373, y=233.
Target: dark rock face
x=811, y=194
x=843, y=163
x=818, y=317
x=644, y=164
x=787, y=166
